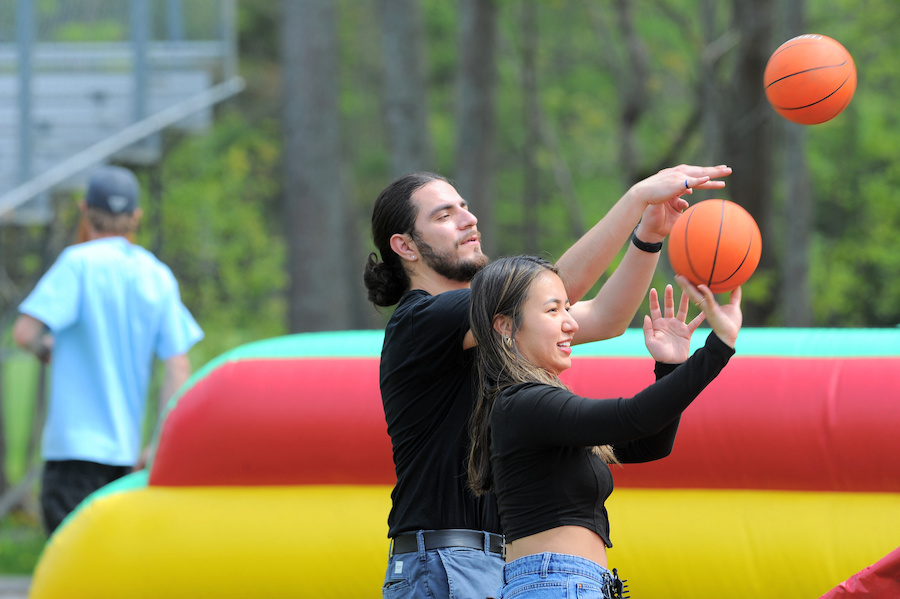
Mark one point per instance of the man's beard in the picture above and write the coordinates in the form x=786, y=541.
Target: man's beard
x=448, y=265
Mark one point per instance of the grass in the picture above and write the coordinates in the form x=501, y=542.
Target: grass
x=21, y=542
x=20, y=375
x=21, y=534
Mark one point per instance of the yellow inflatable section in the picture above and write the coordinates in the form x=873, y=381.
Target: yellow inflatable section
x=329, y=541
x=223, y=543
x=687, y=544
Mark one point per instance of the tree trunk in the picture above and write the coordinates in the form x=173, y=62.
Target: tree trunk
x=711, y=97
x=476, y=112
x=633, y=92
x=321, y=272
x=625, y=54
x=405, y=87
x=795, y=299
x=748, y=134
x=531, y=122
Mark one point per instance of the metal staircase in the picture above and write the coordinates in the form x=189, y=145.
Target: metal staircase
x=66, y=106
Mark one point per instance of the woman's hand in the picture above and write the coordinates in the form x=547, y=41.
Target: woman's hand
x=725, y=320
x=668, y=337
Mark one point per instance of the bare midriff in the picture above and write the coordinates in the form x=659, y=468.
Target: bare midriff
x=570, y=540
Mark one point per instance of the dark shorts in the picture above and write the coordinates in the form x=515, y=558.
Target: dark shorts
x=67, y=482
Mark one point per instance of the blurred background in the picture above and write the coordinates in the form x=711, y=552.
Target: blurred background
x=262, y=132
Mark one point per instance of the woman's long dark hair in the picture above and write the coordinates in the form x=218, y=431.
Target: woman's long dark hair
x=387, y=281
x=501, y=289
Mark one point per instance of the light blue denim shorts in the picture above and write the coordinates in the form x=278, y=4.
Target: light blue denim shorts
x=446, y=573
x=555, y=576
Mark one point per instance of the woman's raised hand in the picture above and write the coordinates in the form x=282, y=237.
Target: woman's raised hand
x=668, y=335
x=725, y=320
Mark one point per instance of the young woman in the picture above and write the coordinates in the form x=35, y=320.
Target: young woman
x=544, y=451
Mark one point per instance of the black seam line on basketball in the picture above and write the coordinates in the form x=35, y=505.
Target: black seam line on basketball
x=827, y=66
x=839, y=110
x=785, y=47
x=844, y=82
x=712, y=271
x=741, y=265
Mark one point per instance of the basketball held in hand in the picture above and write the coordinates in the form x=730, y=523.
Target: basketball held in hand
x=810, y=79
x=716, y=243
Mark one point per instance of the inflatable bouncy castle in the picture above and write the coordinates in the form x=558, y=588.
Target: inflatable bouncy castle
x=272, y=476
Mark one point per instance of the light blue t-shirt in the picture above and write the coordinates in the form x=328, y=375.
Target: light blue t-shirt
x=111, y=306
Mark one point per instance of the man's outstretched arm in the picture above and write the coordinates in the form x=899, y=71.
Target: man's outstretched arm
x=653, y=205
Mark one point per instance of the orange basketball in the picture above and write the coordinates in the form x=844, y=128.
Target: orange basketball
x=810, y=79
x=716, y=243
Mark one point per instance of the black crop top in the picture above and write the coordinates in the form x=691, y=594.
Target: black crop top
x=545, y=473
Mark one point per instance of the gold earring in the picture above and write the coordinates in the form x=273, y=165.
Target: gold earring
x=508, y=341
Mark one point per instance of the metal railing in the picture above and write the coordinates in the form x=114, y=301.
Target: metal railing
x=102, y=150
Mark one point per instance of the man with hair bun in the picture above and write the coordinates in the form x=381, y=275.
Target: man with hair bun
x=445, y=541
x=99, y=316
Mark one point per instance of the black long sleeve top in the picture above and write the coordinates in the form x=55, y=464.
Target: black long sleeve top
x=545, y=472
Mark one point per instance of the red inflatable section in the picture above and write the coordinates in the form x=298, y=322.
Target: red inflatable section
x=779, y=423
x=879, y=581
x=322, y=422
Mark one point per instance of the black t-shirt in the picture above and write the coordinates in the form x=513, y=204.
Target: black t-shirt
x=545, y=472
x=428, y=395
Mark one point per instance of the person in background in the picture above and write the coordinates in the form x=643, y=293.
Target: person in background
x=445, y=541
x=544, y=451
x=98, y=316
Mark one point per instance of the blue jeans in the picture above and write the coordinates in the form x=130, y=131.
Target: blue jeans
x=448, y=573
x=555, y=576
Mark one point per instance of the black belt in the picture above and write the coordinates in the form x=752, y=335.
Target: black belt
x=437, y=539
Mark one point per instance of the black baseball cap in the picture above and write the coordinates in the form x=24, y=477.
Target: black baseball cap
x=114, y=189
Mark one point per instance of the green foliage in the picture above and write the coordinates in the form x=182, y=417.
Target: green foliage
x=258, y=31
x=101, y=24
x=108, y=30
x=219, y=231
x=365, y=139
x=853, y=161
x=581, y=52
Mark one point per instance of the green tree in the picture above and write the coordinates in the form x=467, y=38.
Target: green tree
x=217, y=227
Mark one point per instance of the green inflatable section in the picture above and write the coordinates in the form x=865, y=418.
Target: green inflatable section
x=771, y=342
x=863, y=343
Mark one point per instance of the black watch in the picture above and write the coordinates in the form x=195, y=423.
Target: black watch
x=643, y=245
